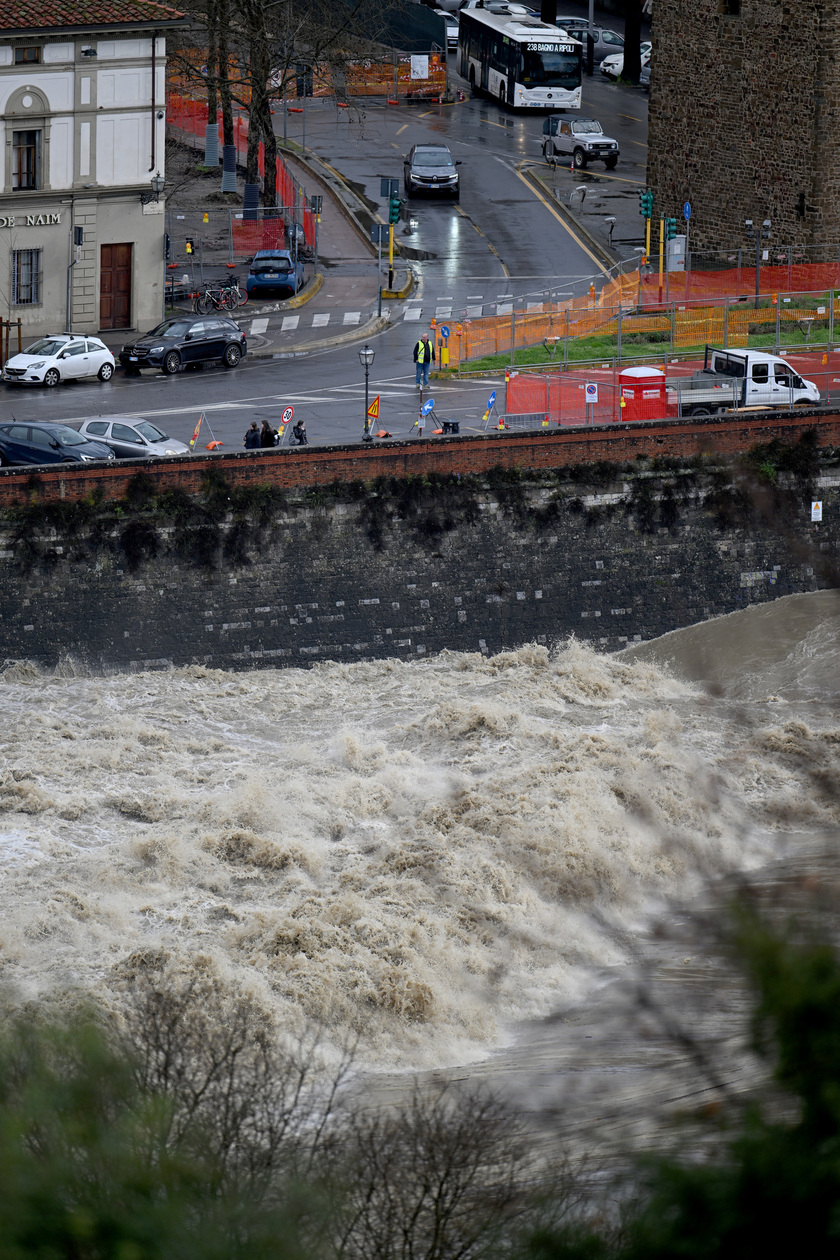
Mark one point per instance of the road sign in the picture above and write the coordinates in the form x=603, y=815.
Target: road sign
x=427, y=407
x=288, y=415
x=444, y=330
x=816, y=510
x=591, y=391
x=687, y=211
x=389, y=187
x=491, y=400
x=373, y=409
x=378, y=233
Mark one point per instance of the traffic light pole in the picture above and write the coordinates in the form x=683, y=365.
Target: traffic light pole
x=661, y=253
x=390, y=255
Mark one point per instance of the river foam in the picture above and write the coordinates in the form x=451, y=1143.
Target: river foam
x=414, y=854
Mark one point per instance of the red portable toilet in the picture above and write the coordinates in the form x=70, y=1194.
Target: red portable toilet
x=643, y=393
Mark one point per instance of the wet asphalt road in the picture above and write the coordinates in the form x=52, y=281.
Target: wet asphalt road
x=502, y=240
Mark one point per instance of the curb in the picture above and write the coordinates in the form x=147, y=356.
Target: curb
x=405, y=290
x=594, y=244
x=369, y=329
x=300, y=299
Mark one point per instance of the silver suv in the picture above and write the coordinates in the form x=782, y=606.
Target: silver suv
x=580, y=139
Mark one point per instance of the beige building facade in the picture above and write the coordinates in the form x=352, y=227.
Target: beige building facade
x=83, y=125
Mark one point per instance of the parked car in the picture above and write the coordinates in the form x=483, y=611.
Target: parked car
x=451, y=20
x=605, y=41
x=644, y=77
x=580, y=139
x=186, y=339
x=60, y=357
x=47, y=444
x=613, y=65
x=273, y=271
x=431, y=168
x=131, y=437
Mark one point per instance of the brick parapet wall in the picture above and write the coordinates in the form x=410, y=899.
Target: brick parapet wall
x=745, y=119
x=301, y=468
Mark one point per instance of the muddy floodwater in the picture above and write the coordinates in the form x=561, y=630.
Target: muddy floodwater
x=465, y=863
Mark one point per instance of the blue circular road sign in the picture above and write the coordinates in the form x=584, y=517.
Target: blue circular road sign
x=444, y=331
x=427, y=407
x=687, y=210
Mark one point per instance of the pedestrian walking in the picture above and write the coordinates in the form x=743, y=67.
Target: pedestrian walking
x=424, y=357
x=252, y=437
x=300, y=433
x=268, y=436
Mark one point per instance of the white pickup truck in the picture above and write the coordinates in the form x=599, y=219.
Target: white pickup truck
x=740, y=378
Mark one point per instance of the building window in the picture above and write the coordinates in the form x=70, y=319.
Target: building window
x=26, y=160
x=26, y=277
x=729, y=8
x=27, y=56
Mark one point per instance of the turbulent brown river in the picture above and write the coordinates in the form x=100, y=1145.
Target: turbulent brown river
x=458, y=861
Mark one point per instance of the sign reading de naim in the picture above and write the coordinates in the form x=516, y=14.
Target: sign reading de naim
x=29, y=220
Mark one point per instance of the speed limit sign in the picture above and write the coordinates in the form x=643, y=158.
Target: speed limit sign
x=288, y=415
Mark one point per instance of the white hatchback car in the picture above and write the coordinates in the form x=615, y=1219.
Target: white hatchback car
x=60, y=357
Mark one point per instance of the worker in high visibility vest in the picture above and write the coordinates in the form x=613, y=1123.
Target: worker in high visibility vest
x=424, y=357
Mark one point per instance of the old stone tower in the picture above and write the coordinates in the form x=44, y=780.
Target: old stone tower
x=745, y=119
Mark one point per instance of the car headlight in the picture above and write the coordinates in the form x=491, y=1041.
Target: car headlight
x=168, y=452
x=157, y=349
x=89, y=459
x=40, y=364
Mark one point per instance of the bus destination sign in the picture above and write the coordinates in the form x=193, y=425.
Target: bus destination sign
x=550, y=47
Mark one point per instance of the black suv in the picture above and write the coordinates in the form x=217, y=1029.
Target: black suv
x=186, y=339
x=430, y=168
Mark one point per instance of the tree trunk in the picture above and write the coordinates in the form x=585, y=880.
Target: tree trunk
x=224, y=83
x=212, y=61
x=263, y=111
x=252, y=161
x=632, y=39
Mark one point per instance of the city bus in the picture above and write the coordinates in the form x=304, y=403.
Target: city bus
x=519, y=60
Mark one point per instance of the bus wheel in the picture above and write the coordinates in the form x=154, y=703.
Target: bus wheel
x=502, y=94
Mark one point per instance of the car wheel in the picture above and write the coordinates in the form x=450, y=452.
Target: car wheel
x=231, y=356
x=106, y=372
x=611, y=163
x=51, y=377
x=172, y=362
x=579, y=159
x=3, y=460
x=701, y=411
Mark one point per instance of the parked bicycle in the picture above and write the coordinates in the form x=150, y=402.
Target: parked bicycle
x=224, y=297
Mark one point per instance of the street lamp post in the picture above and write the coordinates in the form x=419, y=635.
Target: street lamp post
x=366, y=359
x=758, y=235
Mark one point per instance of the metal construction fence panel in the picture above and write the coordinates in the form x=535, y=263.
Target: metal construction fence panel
x=546, y=398
x=190, y=116
x=203, y=243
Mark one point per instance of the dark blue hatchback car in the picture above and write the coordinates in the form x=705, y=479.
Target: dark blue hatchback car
x=22, y=443
x=275, y=272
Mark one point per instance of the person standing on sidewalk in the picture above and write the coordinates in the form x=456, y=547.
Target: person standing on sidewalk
x=252, y=437
x=424, y=357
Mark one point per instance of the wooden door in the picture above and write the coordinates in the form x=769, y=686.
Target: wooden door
x=115, y=286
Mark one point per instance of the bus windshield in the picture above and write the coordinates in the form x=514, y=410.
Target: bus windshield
x=551, y=69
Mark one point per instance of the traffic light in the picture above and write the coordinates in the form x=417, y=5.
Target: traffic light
x=670, y=229
x=394, y=210
x=646, y=202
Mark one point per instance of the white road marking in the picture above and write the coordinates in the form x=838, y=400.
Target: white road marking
x=414, y=313
x=290, y=322
x=352, y=317
x=535, y=306
x=443, y=312
x=475, y=297
x=505, y=309
x=475, y=312
x=320, y=321
x=258, y=326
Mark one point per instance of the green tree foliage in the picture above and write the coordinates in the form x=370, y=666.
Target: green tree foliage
x=79, y=1178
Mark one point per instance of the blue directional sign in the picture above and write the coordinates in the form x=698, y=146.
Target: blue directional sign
x=491, y=400
x=427, y=407
x=687, y=211
x=444, y=331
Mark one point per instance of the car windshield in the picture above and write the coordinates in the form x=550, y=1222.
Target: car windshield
x=48, y=345
x=171, y=328
x=150, y=433
x=432, y=157
x=551, y=69
x=586, y=127
x=67, y=437
x=271, y=264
